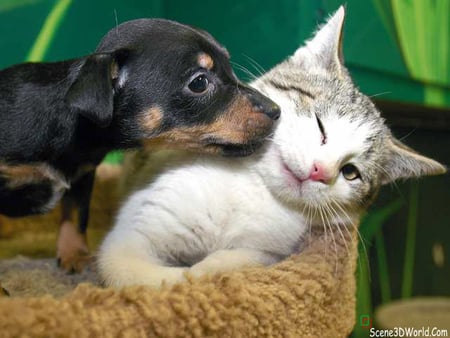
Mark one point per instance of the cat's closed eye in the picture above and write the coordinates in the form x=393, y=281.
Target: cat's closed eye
x=322, y=130
x=350, y=172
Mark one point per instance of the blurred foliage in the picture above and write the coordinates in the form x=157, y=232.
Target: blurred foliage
x=422, y=31
x=370, y=230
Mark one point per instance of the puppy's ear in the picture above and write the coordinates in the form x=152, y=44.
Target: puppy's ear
x=92, y=90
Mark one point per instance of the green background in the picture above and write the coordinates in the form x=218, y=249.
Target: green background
x=265, y=31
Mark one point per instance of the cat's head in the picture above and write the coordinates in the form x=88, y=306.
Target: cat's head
x=331, y=150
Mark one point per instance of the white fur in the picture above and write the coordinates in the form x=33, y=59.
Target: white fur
x=191, y=212
x=59, y=187
x=123, y=77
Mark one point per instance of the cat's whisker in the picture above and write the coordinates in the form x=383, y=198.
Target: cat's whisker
x=310, y=213
x=343, y=211
x=270, y=138
x=245, y=70
x=408, y=135
x=379, y=94
x=341, y=235
x=346, y=215
x=355, y=228
x=327, y=225
x=335, y=213
x=331, y=227
x=261, y=71
x=274, y=140
x=388, y=174
x=351, y=222
x=315, y=212
x=306, y=210
x=324, y=228
x=366, y=255
x=381, y=168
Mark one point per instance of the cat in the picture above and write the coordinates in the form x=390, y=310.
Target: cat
x=329, y=155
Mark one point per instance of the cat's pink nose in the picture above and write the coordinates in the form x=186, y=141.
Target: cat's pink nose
x=319, y=173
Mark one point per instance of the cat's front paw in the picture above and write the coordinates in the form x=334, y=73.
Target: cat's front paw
x=125, y=271
x=208, y=266
x=227, y=260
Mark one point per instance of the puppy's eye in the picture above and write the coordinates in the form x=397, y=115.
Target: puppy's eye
x=199, y=85
x=350, y=172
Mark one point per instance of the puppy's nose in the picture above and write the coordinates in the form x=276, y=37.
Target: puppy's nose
x=273, y=112
x=264, y=105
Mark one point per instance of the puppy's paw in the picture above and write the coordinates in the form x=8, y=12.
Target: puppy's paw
x=72, y=250
x=75, y=263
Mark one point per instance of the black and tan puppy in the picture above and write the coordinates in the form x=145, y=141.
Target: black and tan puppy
x=151, y=82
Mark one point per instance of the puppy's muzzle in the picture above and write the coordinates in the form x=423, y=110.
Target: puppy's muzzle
x=245, y=125
x=264, y=105
x=239, y=130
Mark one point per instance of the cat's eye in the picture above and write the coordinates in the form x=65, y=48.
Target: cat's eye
x=350, y=172
x=322, y=131
x=199, y=84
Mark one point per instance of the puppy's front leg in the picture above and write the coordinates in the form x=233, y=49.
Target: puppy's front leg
x=226, y=260
x=72, y=248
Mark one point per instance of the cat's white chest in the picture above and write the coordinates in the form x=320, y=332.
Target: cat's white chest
x=186, y=218
x=260, y=221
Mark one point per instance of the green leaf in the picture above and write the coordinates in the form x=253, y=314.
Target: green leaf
x=383, y=269
x=371, y=225
x=423, y=30
x=363, y=297
x=47, y=33
x=408, y=266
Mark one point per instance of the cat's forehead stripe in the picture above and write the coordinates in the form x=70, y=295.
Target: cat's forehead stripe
x=290, y=87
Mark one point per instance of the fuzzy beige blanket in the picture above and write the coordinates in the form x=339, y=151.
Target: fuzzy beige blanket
x=311, y=294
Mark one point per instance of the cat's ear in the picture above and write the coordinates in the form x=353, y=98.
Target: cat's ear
x=326, y=45
x=403, y=162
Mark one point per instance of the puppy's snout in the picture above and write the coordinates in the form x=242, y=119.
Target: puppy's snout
x=272, y=111
x=264, y=105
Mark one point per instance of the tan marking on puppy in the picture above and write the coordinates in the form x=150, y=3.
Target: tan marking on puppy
x=114, y=70
x=181, y=138
x=19, y=175
x=151, y=119
x=205, y=61
x=241, y=124
x=72, y=248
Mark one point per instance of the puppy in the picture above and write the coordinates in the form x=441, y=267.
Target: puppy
x=150, y=83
